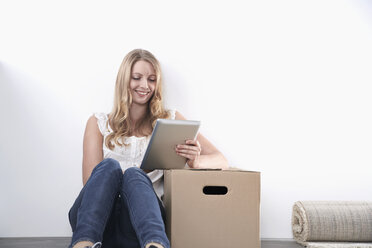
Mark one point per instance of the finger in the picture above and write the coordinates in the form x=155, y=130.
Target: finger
x=187, y=147
x=190, y=142
x=188, y=156
x=193, y=142
x=190, y=153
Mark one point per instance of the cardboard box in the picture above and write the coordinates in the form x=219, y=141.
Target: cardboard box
x=212, y=208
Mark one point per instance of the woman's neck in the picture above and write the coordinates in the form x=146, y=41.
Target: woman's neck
x=137, y=113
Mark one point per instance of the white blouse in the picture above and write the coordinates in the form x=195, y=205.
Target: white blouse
x=132, y=154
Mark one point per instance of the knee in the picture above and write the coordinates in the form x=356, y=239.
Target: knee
x=110, y=166
x=134, y=174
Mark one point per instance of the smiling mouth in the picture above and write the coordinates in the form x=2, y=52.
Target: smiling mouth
x=142, y=93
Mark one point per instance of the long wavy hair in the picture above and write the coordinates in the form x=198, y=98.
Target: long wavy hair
x=119, y=118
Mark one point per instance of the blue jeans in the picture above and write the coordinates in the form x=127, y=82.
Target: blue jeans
x=119, y=210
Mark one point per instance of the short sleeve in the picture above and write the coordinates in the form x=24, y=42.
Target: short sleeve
x=172, y=113
x=101, y=122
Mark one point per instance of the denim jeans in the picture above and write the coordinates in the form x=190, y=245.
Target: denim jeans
x=119, y=210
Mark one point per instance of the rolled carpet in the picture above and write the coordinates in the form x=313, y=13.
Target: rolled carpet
x=332, y=224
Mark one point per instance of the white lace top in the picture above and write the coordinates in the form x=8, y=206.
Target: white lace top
x=131, y=155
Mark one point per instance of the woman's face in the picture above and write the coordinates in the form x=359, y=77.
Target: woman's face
x=143, y=82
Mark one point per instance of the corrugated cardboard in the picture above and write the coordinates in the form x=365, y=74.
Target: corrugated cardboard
x=201, y=220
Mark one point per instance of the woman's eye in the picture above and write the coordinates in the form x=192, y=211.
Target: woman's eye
x=136, y=78
x=152, y=79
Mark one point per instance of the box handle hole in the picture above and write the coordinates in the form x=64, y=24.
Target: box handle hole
x=215, y=190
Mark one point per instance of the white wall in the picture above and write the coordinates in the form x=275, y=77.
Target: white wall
x=281, y=87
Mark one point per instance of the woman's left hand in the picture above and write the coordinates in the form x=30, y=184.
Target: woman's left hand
x=191, y=150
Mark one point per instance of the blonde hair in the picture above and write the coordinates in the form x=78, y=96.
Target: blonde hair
x=119, y=117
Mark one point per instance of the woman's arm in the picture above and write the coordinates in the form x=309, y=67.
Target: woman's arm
x=92, y=148
x=201, y=153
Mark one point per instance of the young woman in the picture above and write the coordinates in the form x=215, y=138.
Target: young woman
x=121, y=205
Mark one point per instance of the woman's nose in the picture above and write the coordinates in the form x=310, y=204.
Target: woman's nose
x=144, y=83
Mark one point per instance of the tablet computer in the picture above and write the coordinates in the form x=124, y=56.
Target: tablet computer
x=161, y=153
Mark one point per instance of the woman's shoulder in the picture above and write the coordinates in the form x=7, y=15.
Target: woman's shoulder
x=176, y=115
x=172, y=113
x=101, y=121
x=101, y=116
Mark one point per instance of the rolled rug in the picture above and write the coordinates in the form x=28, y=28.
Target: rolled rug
x=332, y=224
